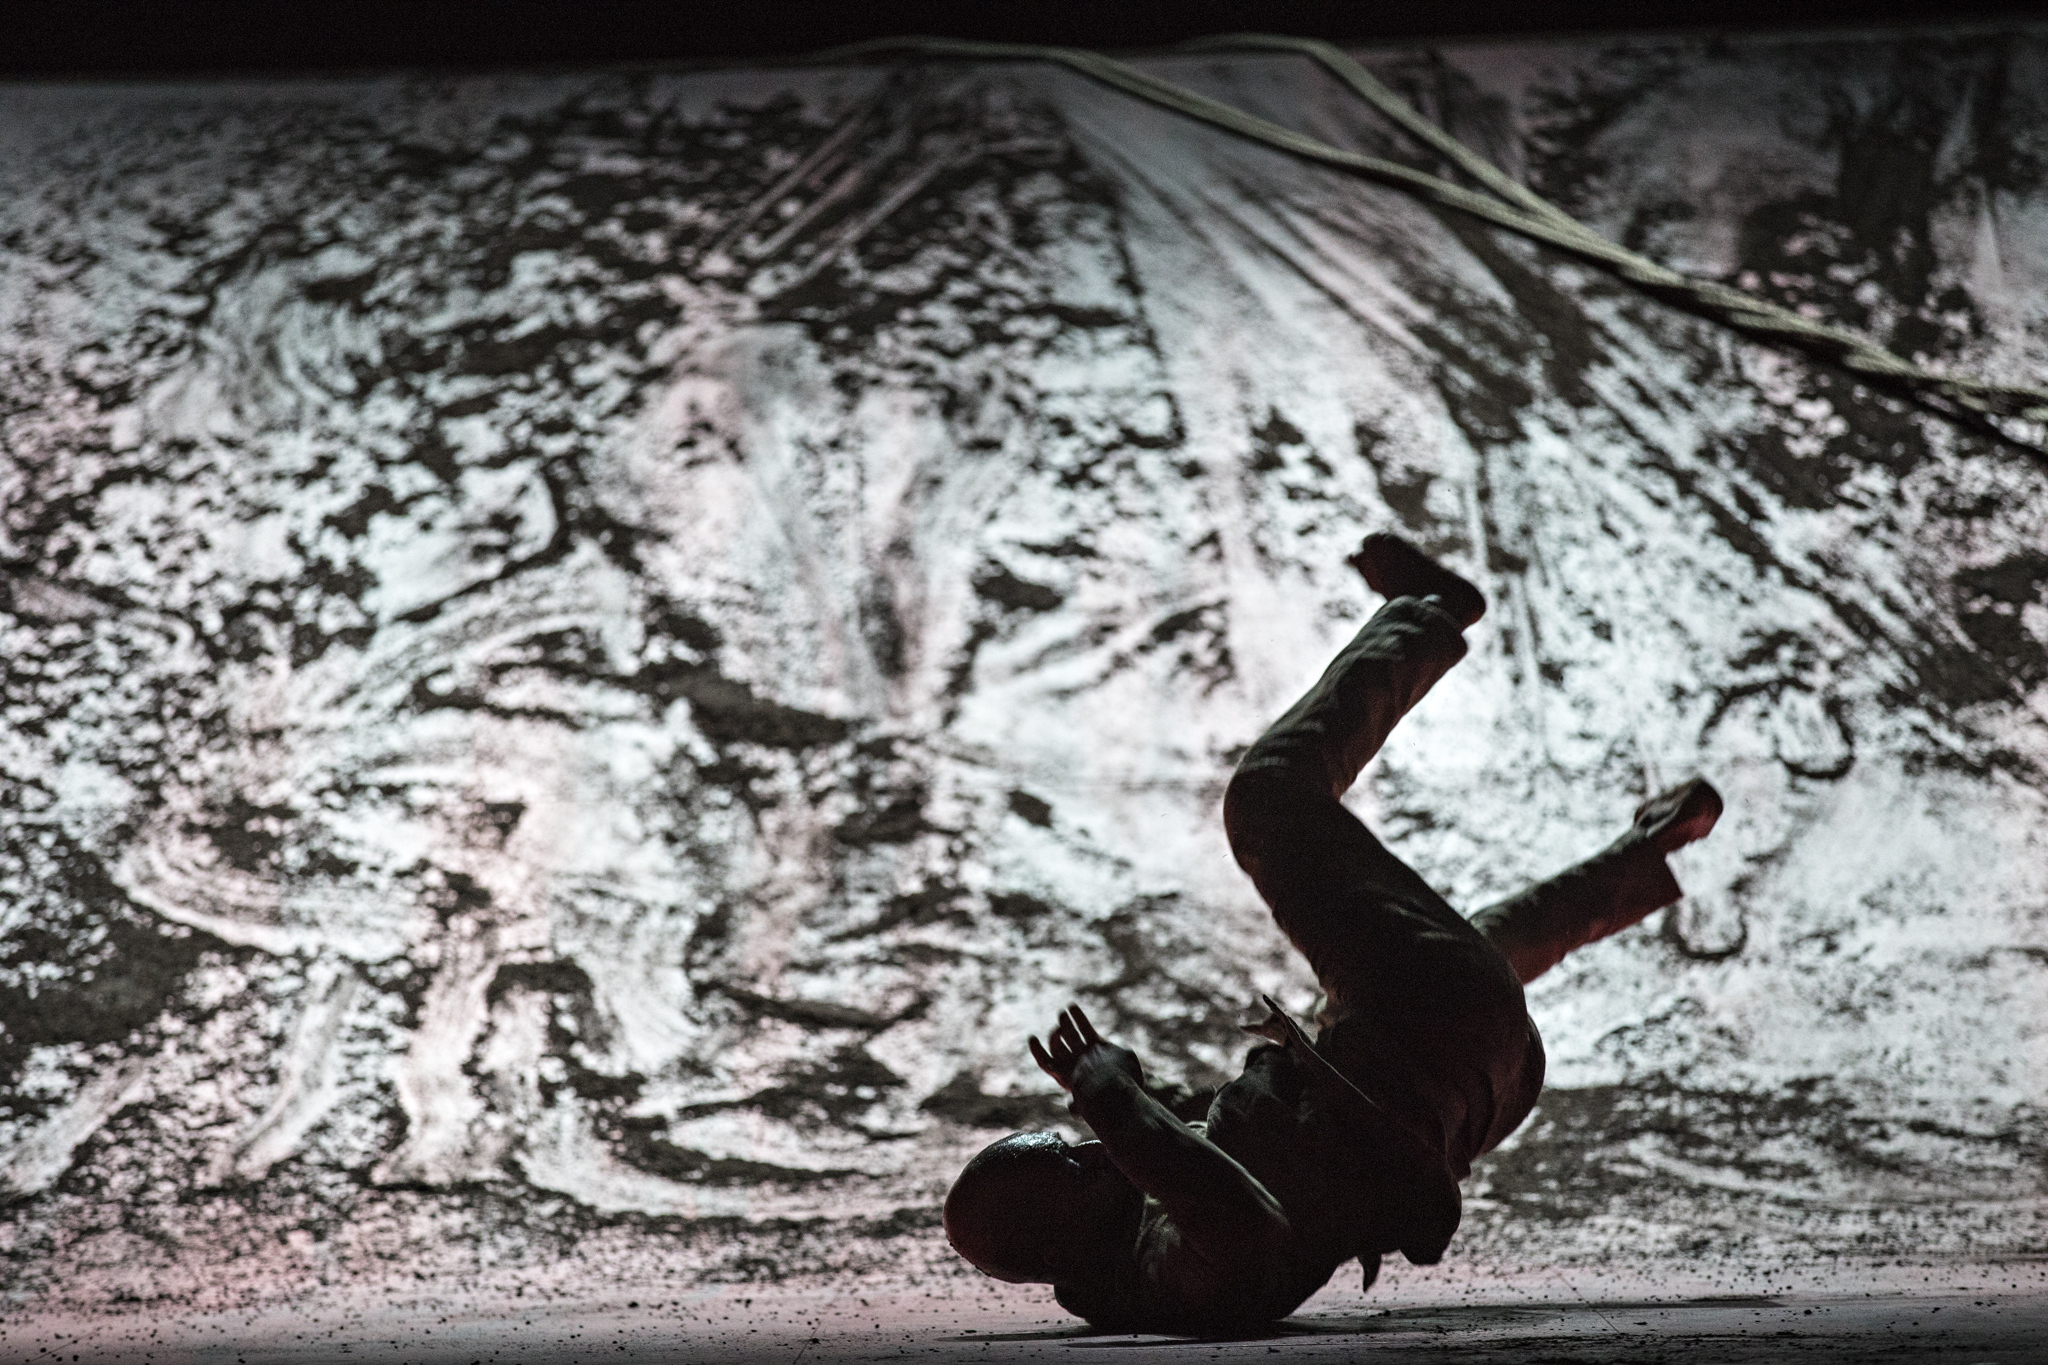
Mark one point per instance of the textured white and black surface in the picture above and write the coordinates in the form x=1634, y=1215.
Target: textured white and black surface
x=1980, y=1320
x=585, y=655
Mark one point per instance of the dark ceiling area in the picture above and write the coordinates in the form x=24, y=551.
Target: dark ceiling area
x=185, y=37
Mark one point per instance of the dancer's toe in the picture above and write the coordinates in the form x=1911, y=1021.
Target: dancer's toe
x=1393, y=568
x=1680, y=816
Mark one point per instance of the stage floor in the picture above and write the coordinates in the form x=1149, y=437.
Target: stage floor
x=1961, y=1313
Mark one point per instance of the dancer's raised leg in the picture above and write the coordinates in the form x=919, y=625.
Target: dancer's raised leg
x=1616, y=887
x=1423, y=1012
x=1349, y=905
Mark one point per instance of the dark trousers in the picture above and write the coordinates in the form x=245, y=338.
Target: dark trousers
x=1425, y=1008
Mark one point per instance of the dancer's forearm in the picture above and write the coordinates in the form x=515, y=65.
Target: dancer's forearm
x=1220, y=1209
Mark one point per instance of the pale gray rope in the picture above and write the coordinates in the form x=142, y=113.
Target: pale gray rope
x=1516, y=208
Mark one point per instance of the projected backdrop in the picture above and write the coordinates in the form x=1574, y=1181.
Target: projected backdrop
x=587, y=654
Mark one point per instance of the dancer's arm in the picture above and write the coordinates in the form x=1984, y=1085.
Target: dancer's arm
x=1222, y=1212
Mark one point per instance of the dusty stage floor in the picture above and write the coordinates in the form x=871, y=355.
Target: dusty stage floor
x=1990, y=1311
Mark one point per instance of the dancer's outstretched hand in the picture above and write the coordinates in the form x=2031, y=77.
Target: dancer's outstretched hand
x=1076, y=1053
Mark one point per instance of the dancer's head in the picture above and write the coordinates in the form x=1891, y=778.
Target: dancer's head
x=1036, y=1209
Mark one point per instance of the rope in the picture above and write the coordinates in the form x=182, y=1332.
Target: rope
x=1510, y=205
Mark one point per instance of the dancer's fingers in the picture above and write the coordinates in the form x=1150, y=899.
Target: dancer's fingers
x=1088, y=1033
x=1039, y=1055
x=1067, y=1033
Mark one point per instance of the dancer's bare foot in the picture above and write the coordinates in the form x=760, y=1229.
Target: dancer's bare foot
x=1672, y=819
x=1393, y=568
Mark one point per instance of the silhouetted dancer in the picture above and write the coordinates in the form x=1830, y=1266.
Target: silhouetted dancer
x=1353, y=1144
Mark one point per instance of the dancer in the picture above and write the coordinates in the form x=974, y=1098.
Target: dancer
x=1350, y=1145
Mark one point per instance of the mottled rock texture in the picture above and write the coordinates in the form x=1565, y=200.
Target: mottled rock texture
x=583, y=655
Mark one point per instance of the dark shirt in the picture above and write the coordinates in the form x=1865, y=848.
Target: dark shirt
x=1251, y=1264
x=1294, y=1173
